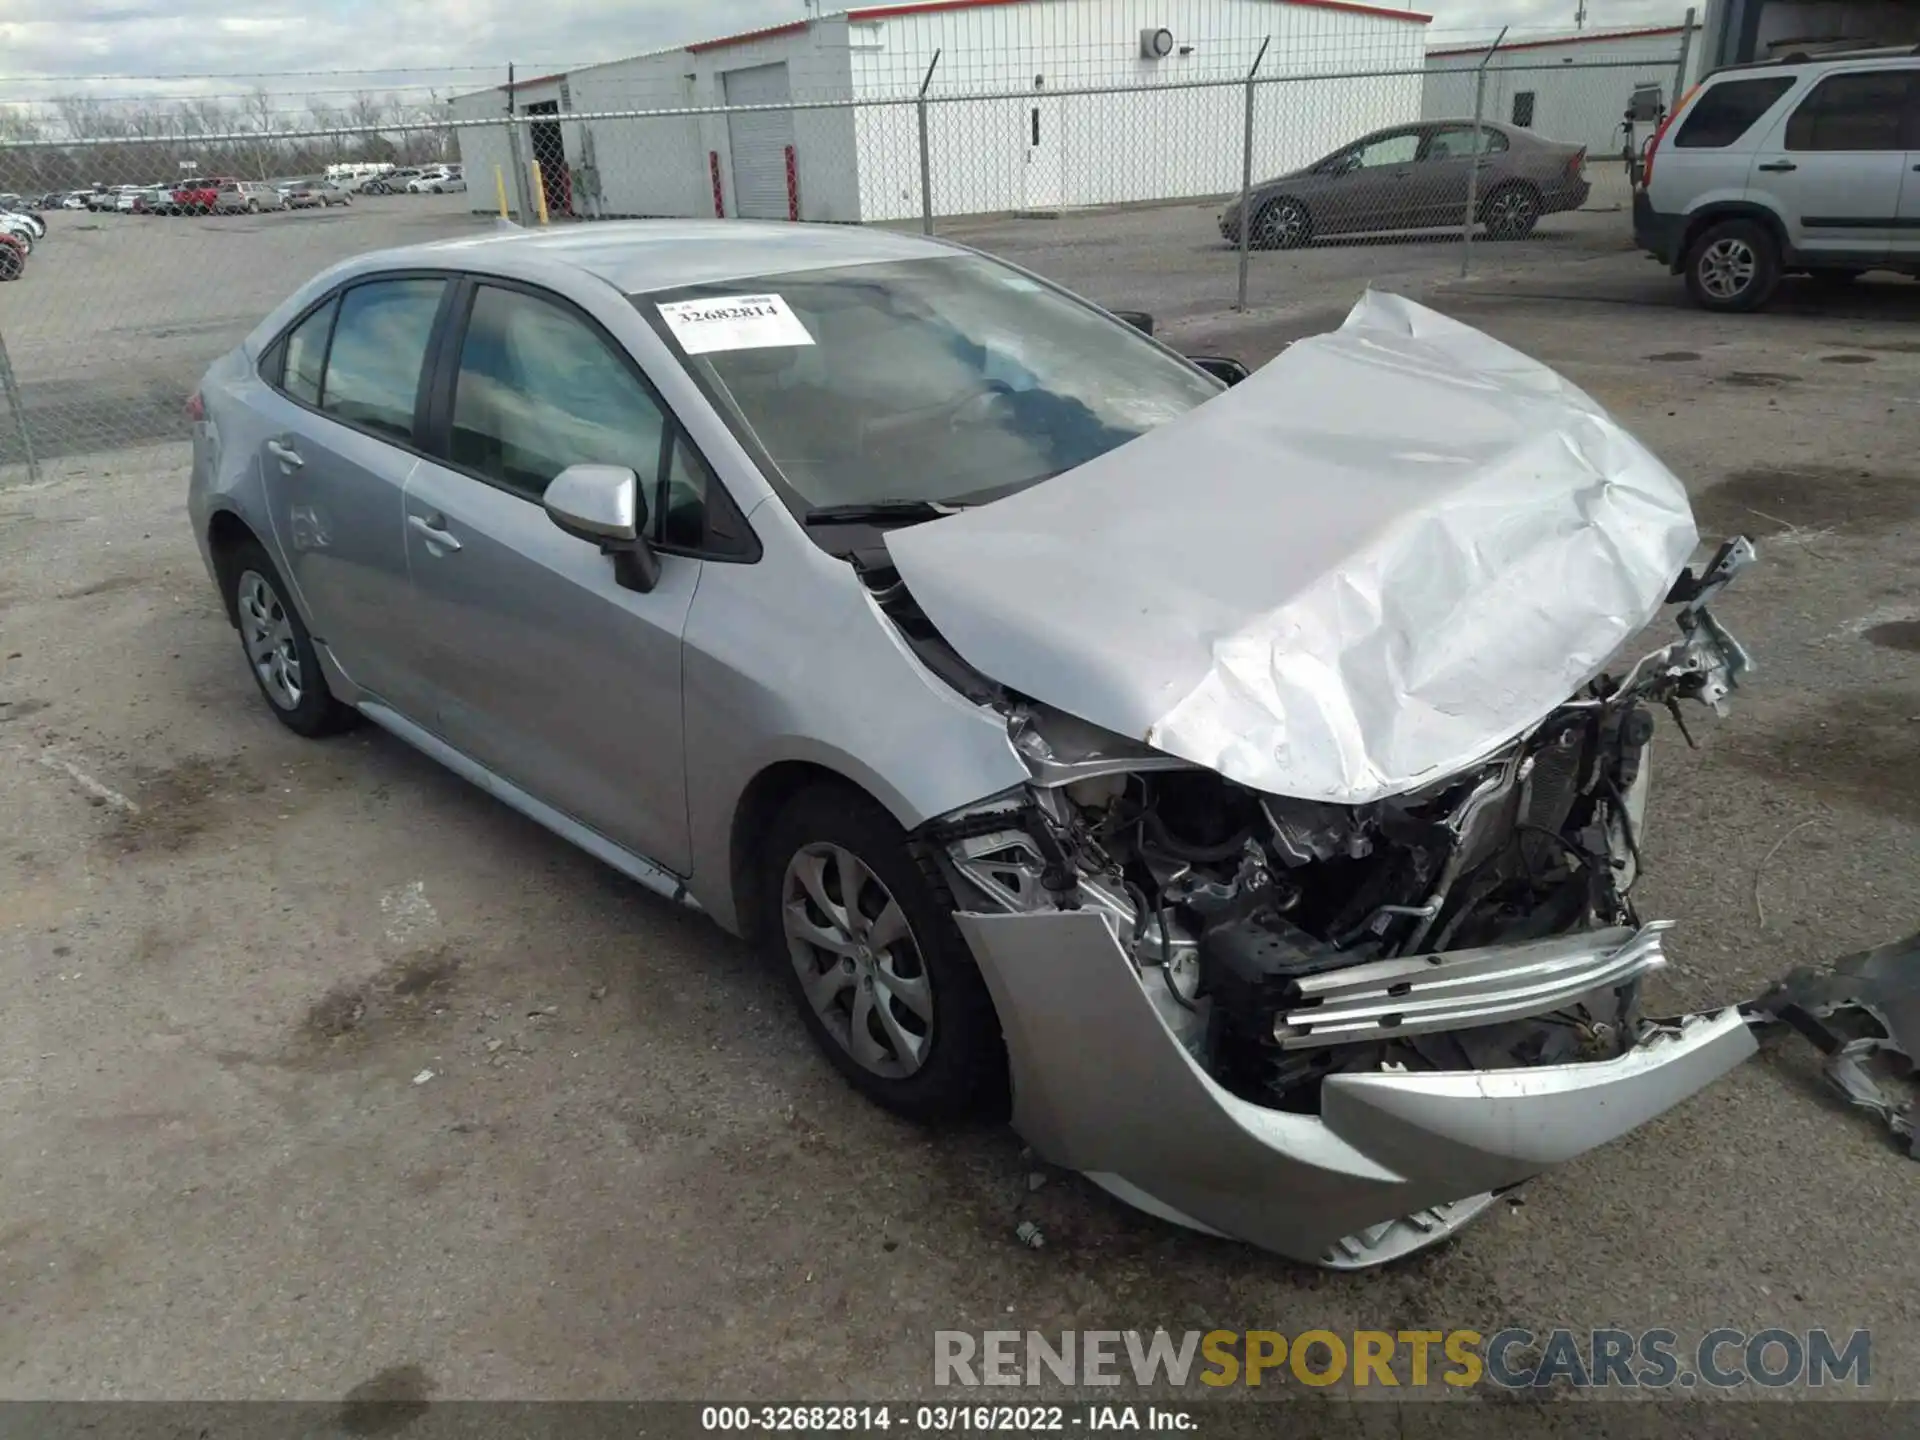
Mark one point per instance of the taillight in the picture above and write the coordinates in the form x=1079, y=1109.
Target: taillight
x=1578, y=164
x=1660, y=131
x=196, y=408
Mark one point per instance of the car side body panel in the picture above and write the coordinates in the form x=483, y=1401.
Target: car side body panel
x=790, y=660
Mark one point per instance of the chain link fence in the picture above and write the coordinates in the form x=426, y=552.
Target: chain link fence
x=153, y=240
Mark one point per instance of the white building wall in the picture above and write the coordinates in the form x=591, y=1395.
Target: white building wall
x=663, y=165
x=1147, y=144
x=484, y=151
x=1580, y=88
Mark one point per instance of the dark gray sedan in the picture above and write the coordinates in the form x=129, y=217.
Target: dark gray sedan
x=1416, y=177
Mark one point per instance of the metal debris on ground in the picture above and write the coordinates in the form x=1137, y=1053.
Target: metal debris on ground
x=423, y=1077
x=1863, y=1015
x=1030, y=1235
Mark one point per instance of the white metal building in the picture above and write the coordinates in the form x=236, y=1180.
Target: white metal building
x=850, y=150
x=1572, y=88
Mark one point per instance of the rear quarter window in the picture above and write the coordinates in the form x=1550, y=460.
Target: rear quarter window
x=1726, y=111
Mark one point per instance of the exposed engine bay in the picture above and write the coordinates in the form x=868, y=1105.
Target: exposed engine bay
x=1484, y=921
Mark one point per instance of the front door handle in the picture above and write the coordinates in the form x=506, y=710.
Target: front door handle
x=1775, y=167
x=285, y=454
x=429, y=528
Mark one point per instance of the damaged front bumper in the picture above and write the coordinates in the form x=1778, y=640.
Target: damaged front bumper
x=1396, y=1159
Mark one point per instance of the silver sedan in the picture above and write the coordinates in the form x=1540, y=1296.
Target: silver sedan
x=1230, y=774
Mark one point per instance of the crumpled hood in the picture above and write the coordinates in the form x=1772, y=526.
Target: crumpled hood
x=1388, y=552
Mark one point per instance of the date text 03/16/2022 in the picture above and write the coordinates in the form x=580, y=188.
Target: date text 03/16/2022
x=947, y=1419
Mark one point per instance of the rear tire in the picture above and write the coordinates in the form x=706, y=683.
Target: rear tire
x=12, y=263
x=253, y=207
x=1733, y=267
x=1510, y=213
x=279, y=651
x=882, y=979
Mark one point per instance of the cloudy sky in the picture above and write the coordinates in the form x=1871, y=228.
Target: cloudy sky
x=45, y=43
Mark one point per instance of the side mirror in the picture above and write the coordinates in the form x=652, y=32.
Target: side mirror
x=601, y=504
x=1222, y=367
x=1139, y=319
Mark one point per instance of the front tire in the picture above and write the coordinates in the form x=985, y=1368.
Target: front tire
x=279, y=651
x=1281, y=225
x=1733, y=267
x=883, y=981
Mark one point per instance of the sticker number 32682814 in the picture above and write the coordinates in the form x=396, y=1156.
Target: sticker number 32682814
x=733, y=322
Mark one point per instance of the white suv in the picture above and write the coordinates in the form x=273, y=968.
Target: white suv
x=1802, y=164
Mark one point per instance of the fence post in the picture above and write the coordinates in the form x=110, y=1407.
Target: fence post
x=524, y=203
x=1680, y=65
x=926, y=164
x=19, y=409
x=1246, y=179
x=1473, y=170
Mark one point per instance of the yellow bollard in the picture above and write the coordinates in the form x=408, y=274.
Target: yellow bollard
x=539, y=192
x=500, y=184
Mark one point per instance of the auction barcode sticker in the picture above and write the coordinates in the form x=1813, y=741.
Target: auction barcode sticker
x=733, y=322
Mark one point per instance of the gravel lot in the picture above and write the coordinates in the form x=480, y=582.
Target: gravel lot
x=231, y=954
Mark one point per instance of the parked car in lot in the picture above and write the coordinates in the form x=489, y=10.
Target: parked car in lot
x=316, y=193
x=200, y=195
x=1283, y=914
x=442, y=180
x=393, y=182
x=21, y=230
x=1417, y=177
x=1808, y=165
x=247, y=197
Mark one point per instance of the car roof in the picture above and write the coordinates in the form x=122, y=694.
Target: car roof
x=642, y=255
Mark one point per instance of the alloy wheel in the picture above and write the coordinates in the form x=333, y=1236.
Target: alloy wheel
x=1727, y=268
x=1511, y=213
x=858, y=961
x=1281, y=226
x=267, y=632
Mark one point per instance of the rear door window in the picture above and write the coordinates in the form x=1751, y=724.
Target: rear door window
x=306, y=354
x=379, y=346
x=1861, y=110
x=1726, y=111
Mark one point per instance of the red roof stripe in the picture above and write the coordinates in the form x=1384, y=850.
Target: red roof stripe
x=1563, y=40
x=923, y=7
x=792, y=27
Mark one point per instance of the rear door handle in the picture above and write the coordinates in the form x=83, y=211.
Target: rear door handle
x=1775, y=167
x=429, y=527
x=285, y=454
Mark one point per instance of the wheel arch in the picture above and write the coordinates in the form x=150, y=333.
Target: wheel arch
x=764, y=797
x=227, y=533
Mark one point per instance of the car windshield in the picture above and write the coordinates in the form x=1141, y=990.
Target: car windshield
x=953, y=379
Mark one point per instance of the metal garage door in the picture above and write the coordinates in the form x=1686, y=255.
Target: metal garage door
x=759, y=141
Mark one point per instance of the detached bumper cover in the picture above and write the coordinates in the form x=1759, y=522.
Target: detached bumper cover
x=1395, y=1160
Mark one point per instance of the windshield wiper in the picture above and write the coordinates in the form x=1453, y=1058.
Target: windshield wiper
x=868, y=512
